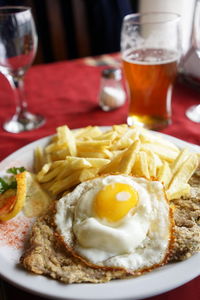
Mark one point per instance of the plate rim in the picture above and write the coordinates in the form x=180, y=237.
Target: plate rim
x=109, y=285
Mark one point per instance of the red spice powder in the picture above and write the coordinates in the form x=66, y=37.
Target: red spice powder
x=13, y=232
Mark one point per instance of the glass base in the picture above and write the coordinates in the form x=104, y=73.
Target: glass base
x=149, y=122
x=193, y=113
x=25, y=122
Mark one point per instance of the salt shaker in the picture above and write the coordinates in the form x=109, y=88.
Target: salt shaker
x=112, y=94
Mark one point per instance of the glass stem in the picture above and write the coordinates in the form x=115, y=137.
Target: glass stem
x=17, y=84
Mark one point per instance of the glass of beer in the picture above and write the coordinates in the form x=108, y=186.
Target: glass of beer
x=151, y=49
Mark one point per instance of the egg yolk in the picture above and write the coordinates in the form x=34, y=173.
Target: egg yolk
x=114, y=201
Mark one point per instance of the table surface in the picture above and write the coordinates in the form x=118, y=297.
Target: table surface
x=67, y=93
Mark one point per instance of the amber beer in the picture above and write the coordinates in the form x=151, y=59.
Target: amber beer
x=150, y=74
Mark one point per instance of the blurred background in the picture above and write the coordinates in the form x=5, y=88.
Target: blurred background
x=70, y=29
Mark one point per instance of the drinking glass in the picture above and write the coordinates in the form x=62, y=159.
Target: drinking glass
x=151, y=49
x=18, y=45
x=193, y=112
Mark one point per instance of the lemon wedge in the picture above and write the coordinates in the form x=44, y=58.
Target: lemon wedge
x=29, y=196
x=36, y=200
x=19, y=199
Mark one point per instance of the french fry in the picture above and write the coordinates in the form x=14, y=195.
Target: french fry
x=52, y=173
x=43, y=171
x=76, y=156
x=92, y=145
x=90, y=131
x=113, y=165
x=46, y=185
x=126, y=139
x=57, y=147
x=181, y=191
x=163, y=152
x=181, y=158
x=164, y=174
x=59, y=154
x=110, y=135
x=65, y=173
x=128, y=158
x=48, y=158
x=140, y=168
x=73, y=164
x=121, y=129
x=57, y=163
x=65, y=136
x=158, y=162
x=47, y=167
x=38, y=159
x=152, y=164
x=147, y=137
x=103, y=154
x=88, y=174
x=98, y=162
x=63, y=185
x=182, y=175
x=77, y=162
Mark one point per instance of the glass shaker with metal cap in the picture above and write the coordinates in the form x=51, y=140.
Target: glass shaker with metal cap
x=112, y=94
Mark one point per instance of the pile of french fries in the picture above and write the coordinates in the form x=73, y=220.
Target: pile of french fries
x=74, y=156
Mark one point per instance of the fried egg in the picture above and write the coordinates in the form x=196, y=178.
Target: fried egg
x=116, y=221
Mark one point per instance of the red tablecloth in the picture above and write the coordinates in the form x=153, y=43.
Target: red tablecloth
x=67, y=93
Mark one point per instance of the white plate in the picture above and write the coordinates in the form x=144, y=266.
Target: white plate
x=159, y=281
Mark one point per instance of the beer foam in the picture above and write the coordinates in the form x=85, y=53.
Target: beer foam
x=154, y=56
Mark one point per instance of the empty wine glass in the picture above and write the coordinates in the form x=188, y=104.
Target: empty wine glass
x=193, y=112
x=18, y=45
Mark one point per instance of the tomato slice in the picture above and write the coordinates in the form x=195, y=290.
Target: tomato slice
x=7, y=201
x=18, y=205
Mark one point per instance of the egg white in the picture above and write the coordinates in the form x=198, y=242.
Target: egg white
x=139, y=241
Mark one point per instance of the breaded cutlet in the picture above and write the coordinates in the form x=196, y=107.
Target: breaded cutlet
x=46, y=255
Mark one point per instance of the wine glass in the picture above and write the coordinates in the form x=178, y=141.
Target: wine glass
x=193, y=112
x=18, y=45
